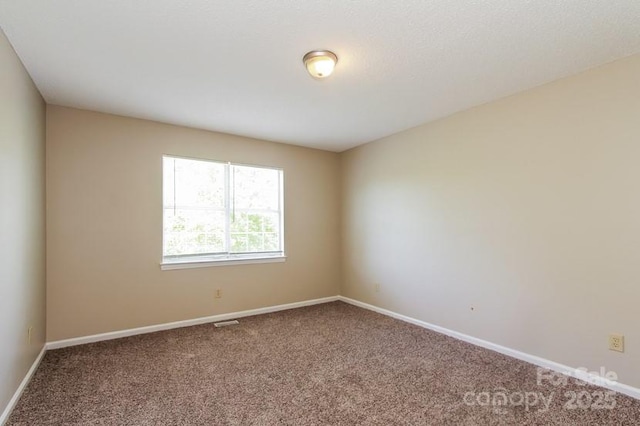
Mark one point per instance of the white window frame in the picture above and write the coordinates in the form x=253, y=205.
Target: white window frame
x=228, y=258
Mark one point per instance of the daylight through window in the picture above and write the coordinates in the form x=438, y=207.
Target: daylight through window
x=221, y=211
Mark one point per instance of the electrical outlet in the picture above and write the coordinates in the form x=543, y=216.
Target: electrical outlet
x=29, y=332
x=376, y=287
x=218, y=294
x=616, y=342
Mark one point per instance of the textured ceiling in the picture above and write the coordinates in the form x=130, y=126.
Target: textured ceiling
x=236, y=66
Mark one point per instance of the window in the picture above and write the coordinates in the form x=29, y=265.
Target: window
x=216, y=212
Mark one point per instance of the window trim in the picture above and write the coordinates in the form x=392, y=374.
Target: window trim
x=189, y=261
x=205, y=262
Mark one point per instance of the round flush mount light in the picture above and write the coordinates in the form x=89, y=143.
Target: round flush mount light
x=320, y=63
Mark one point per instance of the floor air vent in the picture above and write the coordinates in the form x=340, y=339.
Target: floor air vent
x=226, y=323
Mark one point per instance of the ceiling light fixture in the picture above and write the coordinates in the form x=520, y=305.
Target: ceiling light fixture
x=320, y=63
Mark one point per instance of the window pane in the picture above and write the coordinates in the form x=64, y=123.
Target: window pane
x=255, y=188
x=255, y=204
x=271, y=222
x=193, y=231
x=255, y=232
x=193, y=183
x=271, y=242
x=239, y=223
x=239, y=242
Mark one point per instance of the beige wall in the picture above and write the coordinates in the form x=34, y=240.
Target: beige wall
x=526, y=209
x=104, y=240
x=22, y=221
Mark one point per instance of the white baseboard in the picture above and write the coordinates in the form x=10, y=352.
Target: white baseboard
x=186, y=323
x=532, y=359
x=16, y=396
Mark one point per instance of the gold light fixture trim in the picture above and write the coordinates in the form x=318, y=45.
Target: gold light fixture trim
x=320, y=63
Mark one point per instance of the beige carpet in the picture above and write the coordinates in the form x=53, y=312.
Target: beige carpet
x=331, y=364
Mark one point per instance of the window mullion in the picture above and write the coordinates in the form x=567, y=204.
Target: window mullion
x=227, y=207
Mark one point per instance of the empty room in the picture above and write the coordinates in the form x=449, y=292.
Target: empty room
x=422, y=212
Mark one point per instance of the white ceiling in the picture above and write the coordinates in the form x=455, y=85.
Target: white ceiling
x=236, y=66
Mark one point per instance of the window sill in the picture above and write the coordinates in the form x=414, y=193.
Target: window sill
x=206, y=263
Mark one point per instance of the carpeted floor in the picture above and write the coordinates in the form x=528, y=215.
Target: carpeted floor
x=331, y=364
